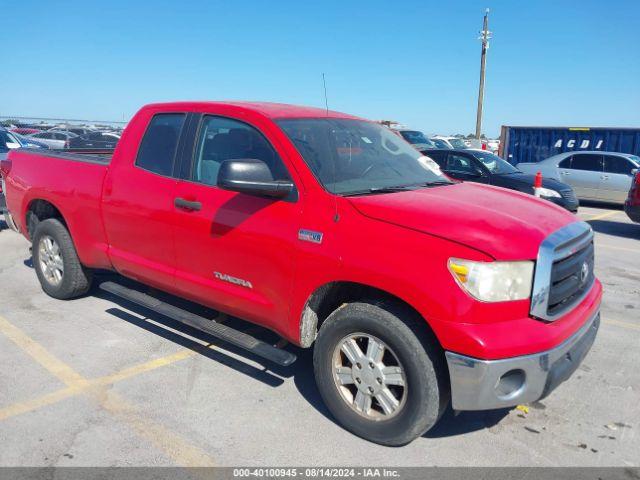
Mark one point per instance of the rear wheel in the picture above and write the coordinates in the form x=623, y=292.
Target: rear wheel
x=380, y=374
x=56, y=262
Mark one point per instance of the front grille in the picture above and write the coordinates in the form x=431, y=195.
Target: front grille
x=564, y=271
x=570, y=278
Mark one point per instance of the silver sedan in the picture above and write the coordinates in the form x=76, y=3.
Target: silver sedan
x=601, y=176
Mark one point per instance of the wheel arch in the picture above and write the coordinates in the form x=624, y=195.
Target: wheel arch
x=328, y=297
x=38, y=210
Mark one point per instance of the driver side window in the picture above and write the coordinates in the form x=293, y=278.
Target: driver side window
x=221, y=139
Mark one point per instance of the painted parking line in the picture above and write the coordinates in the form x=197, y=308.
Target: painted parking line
x=169, y=442
x=603, y=215
x=62, y=394
x=620, y=323
x=56, y=367
x=614, y=247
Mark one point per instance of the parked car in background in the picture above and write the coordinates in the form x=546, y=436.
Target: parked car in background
x=28, y=142
x=55, y=139
x=439, y=143
x=98, y=140
x=484, y=167
x=77, y=130
x=493, y=145
x=593, y=175
x=632, y=204
x=453, y=142
x=24, y=130
x=416, y=138
x=8, y=140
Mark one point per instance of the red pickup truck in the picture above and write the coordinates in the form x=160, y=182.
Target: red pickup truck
x=415, y=291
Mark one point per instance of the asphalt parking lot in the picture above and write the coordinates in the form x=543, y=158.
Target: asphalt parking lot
x=97, y=382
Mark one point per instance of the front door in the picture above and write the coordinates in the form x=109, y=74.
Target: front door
x=234, y=251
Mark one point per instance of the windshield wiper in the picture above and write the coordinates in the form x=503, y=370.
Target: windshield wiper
x=397, y=188
x=390, y=189
x=435, y=183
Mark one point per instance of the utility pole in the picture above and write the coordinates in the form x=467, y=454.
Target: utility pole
x=485, y=36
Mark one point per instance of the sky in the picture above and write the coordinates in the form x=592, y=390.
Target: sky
x=555, y=63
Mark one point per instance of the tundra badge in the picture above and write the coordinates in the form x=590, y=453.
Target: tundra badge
x=236, y=281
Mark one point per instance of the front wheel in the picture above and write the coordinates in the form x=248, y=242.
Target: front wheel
x=56, y=262
x=380, y=373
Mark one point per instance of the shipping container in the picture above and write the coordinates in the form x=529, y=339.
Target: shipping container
x=533, y=144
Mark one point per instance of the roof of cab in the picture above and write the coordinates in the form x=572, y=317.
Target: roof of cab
x=268, y=109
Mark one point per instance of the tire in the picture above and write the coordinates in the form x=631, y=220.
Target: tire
x=74, y=280
x=425, y=394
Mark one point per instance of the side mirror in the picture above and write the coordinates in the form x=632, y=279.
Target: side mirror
x=252, y=177
x=634, y=171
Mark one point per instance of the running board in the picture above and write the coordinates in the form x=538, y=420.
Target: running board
x=230, y=335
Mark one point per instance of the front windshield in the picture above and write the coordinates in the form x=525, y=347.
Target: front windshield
x=355, y=156
x=440, y=143
x=457, y=143
x=494, y=163
x=417, y=138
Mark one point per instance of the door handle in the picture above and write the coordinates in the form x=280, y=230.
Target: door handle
x=604, y=177
x=186, y=204
x=565, y=173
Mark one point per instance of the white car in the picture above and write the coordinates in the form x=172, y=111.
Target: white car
x=454, y=142
x=54, y=138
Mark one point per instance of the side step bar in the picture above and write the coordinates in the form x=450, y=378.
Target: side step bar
x=230, y=335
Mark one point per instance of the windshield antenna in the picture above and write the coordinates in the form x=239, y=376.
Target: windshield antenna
x=326, y=103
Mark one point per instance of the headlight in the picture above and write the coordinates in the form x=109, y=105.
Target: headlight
x=493, y=281
x=547, y=192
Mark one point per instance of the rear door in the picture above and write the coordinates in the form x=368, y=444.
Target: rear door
x=235, y=251
x=584, y=174
x=617, y=178
x=138, y=195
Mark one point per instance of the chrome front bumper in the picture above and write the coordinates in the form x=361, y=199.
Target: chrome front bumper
x=487, y=384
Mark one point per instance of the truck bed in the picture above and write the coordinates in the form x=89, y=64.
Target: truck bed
x=102, y=157
x=71, y=181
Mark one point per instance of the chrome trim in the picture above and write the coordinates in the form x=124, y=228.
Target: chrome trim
x=9, y=219
x=474, y=381
x=558, y=245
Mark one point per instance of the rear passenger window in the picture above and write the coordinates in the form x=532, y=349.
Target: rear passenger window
x=158, y=147
x=223, y=139
x=614, y=164
x=586, y=161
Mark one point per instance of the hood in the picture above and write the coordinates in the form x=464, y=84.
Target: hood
x=504, y=224
x=523, y=182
